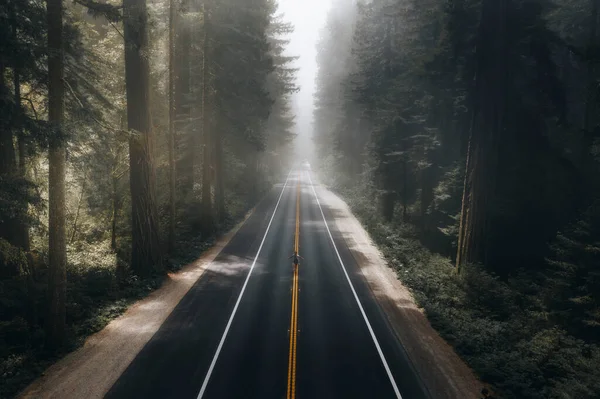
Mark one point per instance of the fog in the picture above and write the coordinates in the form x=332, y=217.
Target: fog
x=308, y=18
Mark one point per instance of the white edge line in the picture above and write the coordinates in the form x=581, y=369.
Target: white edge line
x=216, y=356
x=385, y=364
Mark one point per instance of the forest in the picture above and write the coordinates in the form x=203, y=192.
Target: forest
x=131, y=134
x=463, y=134
x=475, y=126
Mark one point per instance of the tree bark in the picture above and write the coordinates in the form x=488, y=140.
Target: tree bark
x=115, y=212
x=591, y=103
x=404, y=190
x=145, y=250
x=182, y=103
x=7, y=150
x=427, y=181
x=220, y=175
x=56, y=185
x=171, y=141
x=21, y=225
x=115, y=176
x=7, y=167
x=464, y=208
x=206, y=128
x=388, y=203
x=487, y=125
x=77, y=212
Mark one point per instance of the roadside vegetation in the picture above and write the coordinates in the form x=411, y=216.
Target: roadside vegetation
x=132, y=134
x=464, y=136
x=504, y=329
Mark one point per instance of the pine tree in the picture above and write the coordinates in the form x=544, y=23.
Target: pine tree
x=171, y=133
x=56, y=225
x=185, y=141
x=207, y=133
x=146, y=252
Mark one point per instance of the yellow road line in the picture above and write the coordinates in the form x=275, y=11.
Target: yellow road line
x=291, y=388
x=295, y=330
x=297, y=240
x=291, y=391
x=292, y=323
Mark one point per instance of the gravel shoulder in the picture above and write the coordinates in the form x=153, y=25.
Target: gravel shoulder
x=90, y=371
x=442, y=371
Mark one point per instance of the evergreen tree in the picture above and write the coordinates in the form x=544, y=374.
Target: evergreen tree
x=57, y=285
x=145, y=246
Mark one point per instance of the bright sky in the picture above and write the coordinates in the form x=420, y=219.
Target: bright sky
x=308, y=17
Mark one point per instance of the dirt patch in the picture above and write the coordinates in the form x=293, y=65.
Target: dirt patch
x=442, y=371
x=90, y=371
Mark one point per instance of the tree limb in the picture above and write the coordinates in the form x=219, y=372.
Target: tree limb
x=107, y=127
x=32, y=108
x=117, y=29
x=108, y=11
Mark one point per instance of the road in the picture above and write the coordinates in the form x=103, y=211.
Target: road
x=252, y=327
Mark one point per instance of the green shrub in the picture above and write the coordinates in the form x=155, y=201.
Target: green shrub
x=502, y=329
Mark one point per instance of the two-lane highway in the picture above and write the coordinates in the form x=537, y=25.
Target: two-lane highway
x=254, y=326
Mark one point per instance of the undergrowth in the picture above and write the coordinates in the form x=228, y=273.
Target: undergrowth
x=99, y=289
x=502, y=329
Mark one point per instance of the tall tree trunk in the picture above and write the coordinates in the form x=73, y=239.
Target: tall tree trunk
x=56, y=186
x=488, y=123
x=206, y=128
x=591, y=104
x=22, y=228
x=592, y=45
x=7, y=166
x=21, y=232
x=464, y=208
x=427, y=179
x=22, y=155
x=388, y=203
x=115, y=213
x=78, y=211
x=7, y=150
x=220, y=173
x=404, y=191
x=171, y=237
x=183, y=124
x=116, y=205
x=145, y=249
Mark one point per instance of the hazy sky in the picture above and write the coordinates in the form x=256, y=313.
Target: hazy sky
x=308, y=17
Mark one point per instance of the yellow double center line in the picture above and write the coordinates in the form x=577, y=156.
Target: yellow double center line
x=297, y=239
x=291, y=388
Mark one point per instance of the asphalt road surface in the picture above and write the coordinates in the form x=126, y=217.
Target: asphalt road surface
x=253, y=326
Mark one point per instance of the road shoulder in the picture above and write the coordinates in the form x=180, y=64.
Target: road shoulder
x=442, y=371
x=90, y=371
